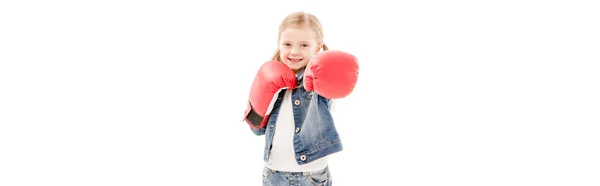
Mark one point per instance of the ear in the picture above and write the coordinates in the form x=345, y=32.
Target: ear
x=319, y=48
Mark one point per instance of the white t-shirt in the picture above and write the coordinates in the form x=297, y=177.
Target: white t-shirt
x=282, y=153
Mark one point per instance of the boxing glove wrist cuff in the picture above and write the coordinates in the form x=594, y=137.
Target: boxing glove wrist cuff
x=254, y=119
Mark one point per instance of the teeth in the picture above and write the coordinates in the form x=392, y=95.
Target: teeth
x=295, y=60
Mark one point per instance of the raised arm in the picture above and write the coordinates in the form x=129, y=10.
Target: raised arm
x=272, y=77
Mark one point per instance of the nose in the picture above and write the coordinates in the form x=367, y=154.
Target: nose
x=294, y=51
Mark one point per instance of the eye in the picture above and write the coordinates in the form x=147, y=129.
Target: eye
x=304, y=45
x=286, y=44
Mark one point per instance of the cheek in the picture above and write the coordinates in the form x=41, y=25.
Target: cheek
x=309, y=53
x=283, y=52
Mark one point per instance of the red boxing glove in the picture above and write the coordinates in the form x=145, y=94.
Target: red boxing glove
x=272, y=77
x=332, y=74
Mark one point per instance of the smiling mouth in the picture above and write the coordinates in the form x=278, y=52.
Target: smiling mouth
x=294, y=60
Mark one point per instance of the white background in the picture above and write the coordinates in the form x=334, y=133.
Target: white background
x=152, y=92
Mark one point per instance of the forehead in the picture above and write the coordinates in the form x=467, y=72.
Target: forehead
x=298, y=34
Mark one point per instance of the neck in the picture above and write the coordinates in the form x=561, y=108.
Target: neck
x=296, y=72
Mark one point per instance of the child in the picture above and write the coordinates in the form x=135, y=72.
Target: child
x=290, y=102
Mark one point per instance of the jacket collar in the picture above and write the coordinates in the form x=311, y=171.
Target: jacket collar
x=300, y=74
x=300, y=77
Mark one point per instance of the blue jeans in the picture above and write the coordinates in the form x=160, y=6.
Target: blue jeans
x=275, y=178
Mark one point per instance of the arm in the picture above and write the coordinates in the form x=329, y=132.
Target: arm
x=271, y=79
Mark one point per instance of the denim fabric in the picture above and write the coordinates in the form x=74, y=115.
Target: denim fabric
x=315, y=135
x=277, y=178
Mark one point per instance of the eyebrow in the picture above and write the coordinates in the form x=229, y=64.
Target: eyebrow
x=298, y=42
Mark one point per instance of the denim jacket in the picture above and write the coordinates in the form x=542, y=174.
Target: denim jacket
x=315, y=134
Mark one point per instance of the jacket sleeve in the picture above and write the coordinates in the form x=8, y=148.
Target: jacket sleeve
x=258, y=132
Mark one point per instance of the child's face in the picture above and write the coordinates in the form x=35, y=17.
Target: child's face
x=297, y=46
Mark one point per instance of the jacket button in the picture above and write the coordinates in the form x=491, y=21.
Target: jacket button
x=297, y=102
x=303, y=157
x=297, y=129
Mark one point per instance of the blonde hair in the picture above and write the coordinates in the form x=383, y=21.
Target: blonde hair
x=299, y=19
